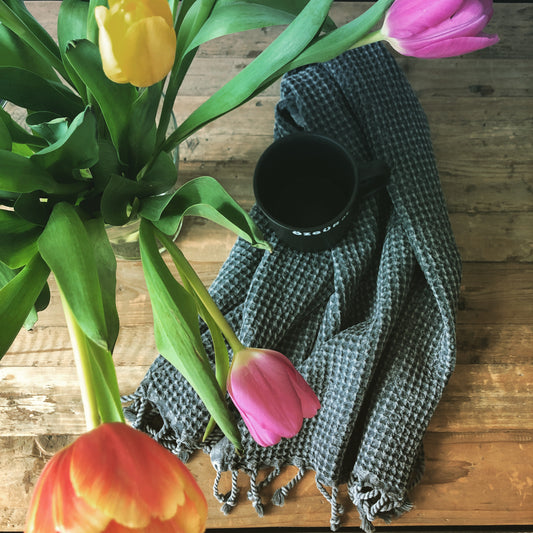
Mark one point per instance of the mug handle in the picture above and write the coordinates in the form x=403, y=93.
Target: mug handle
x=373, y=176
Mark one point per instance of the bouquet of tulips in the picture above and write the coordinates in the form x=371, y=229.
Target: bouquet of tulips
x=95, y=152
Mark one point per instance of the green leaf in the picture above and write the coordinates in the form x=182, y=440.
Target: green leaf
x=106, y=265
x=284, y=49
x=76, y=149
x=204, y=197
x=5, y=137
x=177, y=332
x=19, y=20
x=33, y=208
x=160, y=177
x=107, y=165
x=31, y=91
x=17, y=298
x=115, y=100
x=230, y=16
x=71, y=22
x=47, y=125
x=117, y=199
x=141, y=130
x=72, y=25
x=17, y=132
x=92, y=27
x=66, y=248
x=19, y=239
x=341, y=39
x=14, y=52
x=20, y=175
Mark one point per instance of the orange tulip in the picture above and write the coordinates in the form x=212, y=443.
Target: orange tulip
x=115, y=479
x=137, y=40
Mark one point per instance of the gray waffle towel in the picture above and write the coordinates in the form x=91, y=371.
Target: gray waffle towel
x=370, y=324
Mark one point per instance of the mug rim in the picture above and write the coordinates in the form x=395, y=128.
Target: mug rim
x=331, y=223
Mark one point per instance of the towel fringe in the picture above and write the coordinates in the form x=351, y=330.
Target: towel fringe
x=229, y=500
x=253, y=494
x=278, y=498
x=375, y=503
x=337, y=510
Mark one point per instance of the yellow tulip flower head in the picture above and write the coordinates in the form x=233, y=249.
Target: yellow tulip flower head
x=137, y=40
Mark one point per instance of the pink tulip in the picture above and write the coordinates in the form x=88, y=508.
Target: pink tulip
x=115, y=479
x=441, y=28
x=272, y=397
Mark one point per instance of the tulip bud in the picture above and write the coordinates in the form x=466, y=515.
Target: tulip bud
x=115, y=478
x=445, y=28
x=137, y=40
x=272, y=397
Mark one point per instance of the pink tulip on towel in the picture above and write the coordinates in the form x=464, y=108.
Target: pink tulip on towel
x=271, y=395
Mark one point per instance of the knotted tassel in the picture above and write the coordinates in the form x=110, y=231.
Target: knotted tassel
x=336, y=508
x=279, y=496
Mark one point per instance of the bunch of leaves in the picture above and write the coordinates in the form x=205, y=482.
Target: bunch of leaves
x=94, y=153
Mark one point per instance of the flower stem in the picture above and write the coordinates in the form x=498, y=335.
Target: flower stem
x=187, y=271
x=372, y=37
x=83, y=365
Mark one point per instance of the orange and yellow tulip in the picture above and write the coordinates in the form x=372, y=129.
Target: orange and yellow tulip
x=115, y=479
x=137, y=40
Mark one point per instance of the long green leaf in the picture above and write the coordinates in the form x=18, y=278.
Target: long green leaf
x=106, y=265
x=72, y=25
x=66, y=248
x=76, y=149
x=14, y=52
x=283, y=50
x=230, y=16
x=17, y=298
x=341, y=39
x=31, y=91
x=204, y=197
x=20, y=175
x=177, y=332
x=5, y=137
x=18, y=133
x=115, y=100
x=19, y=239
x=19, y=20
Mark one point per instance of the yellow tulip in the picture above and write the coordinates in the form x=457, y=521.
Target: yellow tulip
x=137, y=40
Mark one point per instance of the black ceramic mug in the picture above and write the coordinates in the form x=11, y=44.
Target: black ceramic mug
x=308, y=186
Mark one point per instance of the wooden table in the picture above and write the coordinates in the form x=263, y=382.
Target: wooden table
x=480, y=443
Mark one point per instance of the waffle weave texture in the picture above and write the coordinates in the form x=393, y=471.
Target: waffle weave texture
x=370, y=324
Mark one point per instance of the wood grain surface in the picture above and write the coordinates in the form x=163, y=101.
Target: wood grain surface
x=479, y=447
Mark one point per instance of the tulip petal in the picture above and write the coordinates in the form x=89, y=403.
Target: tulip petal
x=117, y=453
x=409, y=17
x=271, y=395
x=107, y=26
x=147, y=51
x=40, y=519
x=70, y=512
x=55, y=506
x=269, y=398
x=451, y=47
x=190, y=519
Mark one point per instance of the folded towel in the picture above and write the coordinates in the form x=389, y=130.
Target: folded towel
x=370, y=324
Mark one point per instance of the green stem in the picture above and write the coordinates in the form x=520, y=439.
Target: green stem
x=188, y=272
x=373, y=37
x=83, y=365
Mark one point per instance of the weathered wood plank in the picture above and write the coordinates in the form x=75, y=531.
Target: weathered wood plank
x=49, y=346
x=492, y=294
x=463, y=473
x=479, y=398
